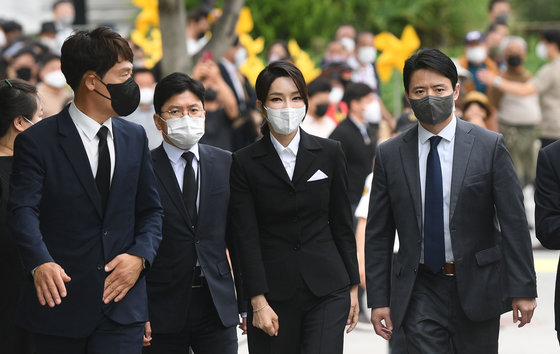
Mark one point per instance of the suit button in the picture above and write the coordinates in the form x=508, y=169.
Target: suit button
x=105, y=233
x=298, y=246
x=415, y=270
x=99, y=267
x=197, y=241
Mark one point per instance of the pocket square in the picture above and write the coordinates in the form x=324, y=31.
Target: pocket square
x=317, y=176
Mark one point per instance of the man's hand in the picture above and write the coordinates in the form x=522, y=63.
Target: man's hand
x=125, y=270
x=49, y=279
x=243, y=325
x=147, y=335
x=486, y=76
x=381, y=320
x=264, y=316
x=523, y=309
x=354, y=309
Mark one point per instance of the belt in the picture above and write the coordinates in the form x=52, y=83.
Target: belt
x=199, y=281
x=448, y=269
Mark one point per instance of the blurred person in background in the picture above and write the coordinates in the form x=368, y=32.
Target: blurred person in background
x=144, y=114
x=493, y=39
x=476, y=108
x=64, y=14
x=47, y=37
x=339, y=75
x=13, y=32
x=20, y=108
x=519, y=117
x=475, y=59
x=23, y=65
x=346, y=35
x=499, y=11
x=546, y=83
x=316, y=122
x=197, y=26
x=334, y=53
x=52, y=88
x=278, y=51
x=246, y=125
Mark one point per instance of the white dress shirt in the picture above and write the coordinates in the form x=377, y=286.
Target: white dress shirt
x=178, y=164
x=287, y=154
x=234, y=76
x=88, y=128
x=445, y=150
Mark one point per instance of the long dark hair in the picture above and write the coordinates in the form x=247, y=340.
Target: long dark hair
x=17, y=98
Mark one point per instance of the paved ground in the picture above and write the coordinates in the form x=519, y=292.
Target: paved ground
x=537, y=338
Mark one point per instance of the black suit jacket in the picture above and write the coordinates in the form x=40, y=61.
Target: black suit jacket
x=359, y=156
x=547, y=207
x=56, y=216
x=170, y=277
x=489, y=233
x=289, y=229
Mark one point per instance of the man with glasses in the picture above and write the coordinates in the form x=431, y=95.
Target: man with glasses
x=191, y=294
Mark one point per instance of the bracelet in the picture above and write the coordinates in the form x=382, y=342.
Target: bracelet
x=497, y=81
x=257, y=310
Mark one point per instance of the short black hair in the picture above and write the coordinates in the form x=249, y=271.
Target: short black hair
x=56, y=3
x=141, y=71
x=197, y=14
x=280, y=69
x=11, y=26
x=432, y=59
x=355, y=91
x=552, y=36
x=174, y=84
x=320, y=84
x=97, y=50
x=284, y=45
x=493, y=2
x=28, y=49
x=49, y=57
x=17, y=98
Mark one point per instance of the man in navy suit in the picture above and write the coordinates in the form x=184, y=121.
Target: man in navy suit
x=191, y=295
x=84, y=208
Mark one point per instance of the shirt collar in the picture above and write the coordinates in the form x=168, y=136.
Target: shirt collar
x=447, y=133
x=174, y=153
x=292, y=146
x=86, y=124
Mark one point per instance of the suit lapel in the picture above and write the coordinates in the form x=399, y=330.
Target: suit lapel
x=409, y=158
x=73, y=147
x=461, y=154
x=164, y=172
x=205, y=177
x=268, y=156
x=305, y=156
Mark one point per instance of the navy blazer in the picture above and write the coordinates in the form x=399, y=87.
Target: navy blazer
x=489, y=232
x=56, y=216
x=169, y=279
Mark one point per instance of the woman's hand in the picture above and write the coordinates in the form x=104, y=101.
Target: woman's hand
x=264, y=316
x=354, y=309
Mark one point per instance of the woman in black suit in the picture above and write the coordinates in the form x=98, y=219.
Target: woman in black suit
x=20, y=108
x=291, y=218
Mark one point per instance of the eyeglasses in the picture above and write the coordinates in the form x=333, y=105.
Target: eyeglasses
x=179, y=112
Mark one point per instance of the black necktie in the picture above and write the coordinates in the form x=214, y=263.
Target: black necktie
x=190, y=188
x=103, y=176
x=434, y=244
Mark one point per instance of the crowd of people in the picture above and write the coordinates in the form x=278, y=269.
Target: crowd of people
x=156, y=214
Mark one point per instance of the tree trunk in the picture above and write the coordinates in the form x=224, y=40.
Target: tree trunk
x=172, y=19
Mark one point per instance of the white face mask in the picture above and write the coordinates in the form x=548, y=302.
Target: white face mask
x=184, y=132
x=52, y=43
x=285, y=121
x=367, y=55
x=541, y=51
x=55, y=79
x=476, y=55
x=240, y=57
x=348, y=43
x=372, y=114
x=336, y=94
x=146, y=96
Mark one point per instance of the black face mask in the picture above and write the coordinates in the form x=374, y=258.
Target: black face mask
x=514, y=60
x=432, y=109
x=210, y=95
x=24, y=73
x=124, y=98
x=321, y=110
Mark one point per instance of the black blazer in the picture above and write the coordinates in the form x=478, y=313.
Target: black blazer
x=56, y=216
x=287, y=229
x=489, y=233
x=547, y=207
x=170, y=277
x=359, y=156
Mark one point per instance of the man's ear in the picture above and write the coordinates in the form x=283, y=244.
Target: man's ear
x=88, y=80
x=457, y=91
x=157, y=122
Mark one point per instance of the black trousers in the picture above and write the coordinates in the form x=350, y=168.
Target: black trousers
x=435, y=322
x=307, y=325
x=108, y=337
x=204, y=332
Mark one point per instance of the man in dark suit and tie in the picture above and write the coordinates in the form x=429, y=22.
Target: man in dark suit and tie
x=358, y=138
x=450, y=190
x=547, y=209
x=84, y=208
x=191, y=295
